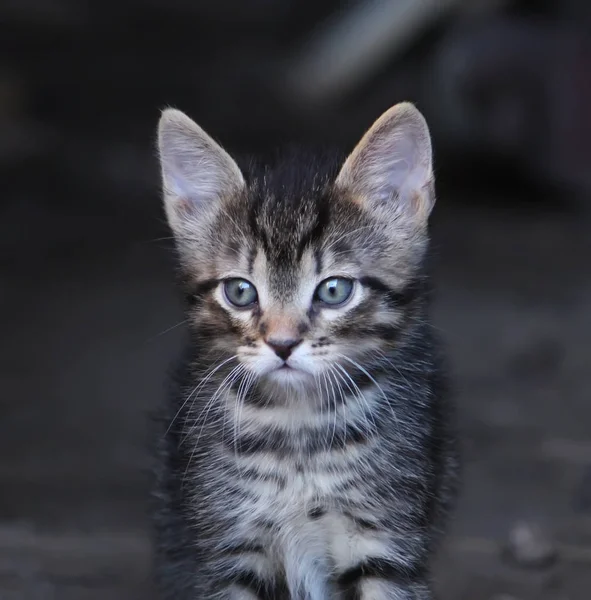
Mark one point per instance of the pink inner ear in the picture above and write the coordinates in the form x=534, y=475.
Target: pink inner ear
x=391, y=165
x=196, y=170
x=176, y=182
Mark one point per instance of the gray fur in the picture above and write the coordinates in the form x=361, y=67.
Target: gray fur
x=332, y=483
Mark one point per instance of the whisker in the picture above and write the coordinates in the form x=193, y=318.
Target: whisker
x=243, y=389
x=334, y=406
x=226, y=383
x=154, y=337
x=389, y=362
x=361, y=397
x=378, y=386
x=347, y=234
x=321, y=393
x=331, y=410
x=233, y=221
x=197, y=389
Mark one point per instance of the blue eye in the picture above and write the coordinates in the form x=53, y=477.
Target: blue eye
x=334, y=291
x=239, y=292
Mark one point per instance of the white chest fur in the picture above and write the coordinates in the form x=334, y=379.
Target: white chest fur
x=309, y=532
x=304, y=509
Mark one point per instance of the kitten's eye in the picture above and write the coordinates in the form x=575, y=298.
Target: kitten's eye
x=334, y=291
x=239, y=292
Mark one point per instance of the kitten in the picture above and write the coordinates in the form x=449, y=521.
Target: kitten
x=306, y=452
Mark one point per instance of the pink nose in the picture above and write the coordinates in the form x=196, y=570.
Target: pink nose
x=283, y=348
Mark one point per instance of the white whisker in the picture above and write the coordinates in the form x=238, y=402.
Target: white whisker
x=374, y=381
x=175, y=326
x=198, y=388
x=222, y=388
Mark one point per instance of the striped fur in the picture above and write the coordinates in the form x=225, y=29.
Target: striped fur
x=331, y=479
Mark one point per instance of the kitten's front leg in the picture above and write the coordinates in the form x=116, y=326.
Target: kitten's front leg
x=370, y=588
x=241, y=572
x=239, y=593
x=379, y=579
x=238, y=587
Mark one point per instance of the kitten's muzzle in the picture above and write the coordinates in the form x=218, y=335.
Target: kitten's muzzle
x=283, y=348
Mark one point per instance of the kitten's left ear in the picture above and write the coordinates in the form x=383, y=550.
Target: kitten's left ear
x=391, y=168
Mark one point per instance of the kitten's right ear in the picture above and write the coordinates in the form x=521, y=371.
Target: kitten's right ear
x=196, y=171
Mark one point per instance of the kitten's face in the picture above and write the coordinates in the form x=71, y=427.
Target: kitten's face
x=300, y=276
x=294, y=308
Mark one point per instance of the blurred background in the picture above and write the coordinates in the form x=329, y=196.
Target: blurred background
x=89, y=317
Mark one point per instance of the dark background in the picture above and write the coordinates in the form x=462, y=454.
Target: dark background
x=87, y=304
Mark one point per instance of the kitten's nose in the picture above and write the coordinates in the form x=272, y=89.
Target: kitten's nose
x=283, y=348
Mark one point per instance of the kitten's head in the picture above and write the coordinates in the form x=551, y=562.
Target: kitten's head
x=299, y=272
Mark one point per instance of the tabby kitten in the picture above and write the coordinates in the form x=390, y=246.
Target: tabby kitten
x=305, y=452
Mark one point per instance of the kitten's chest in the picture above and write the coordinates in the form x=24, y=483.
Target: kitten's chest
x=316, y=505
x=283, y=489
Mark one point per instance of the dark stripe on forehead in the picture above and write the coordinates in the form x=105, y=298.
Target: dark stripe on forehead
x=252, y=254
x=317, y=228
x=257, y=231
x=318, y=259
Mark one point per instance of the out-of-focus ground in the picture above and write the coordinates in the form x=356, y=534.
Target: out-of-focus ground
x=83, y=310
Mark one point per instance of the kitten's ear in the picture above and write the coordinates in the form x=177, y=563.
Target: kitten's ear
x=196, y=172
x=391, y=168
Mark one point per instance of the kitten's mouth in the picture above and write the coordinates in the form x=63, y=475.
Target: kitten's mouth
x=287, y=373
